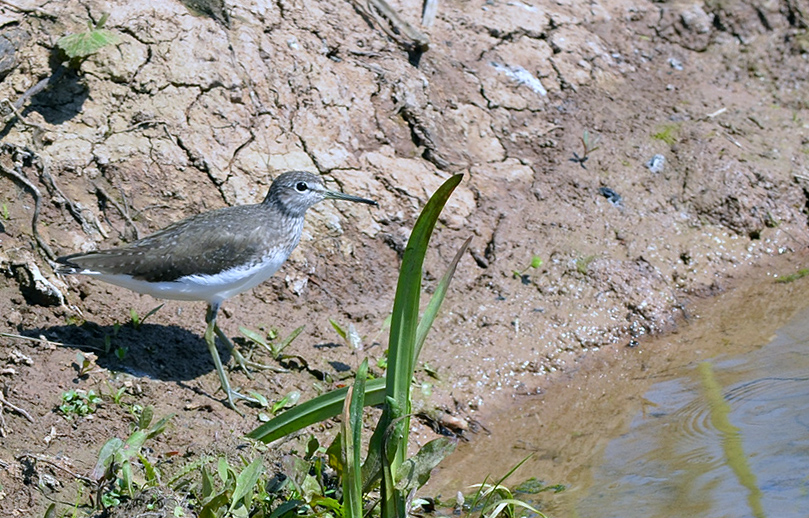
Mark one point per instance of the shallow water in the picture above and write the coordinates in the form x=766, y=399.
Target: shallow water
x=684, y=454
x=710, y=422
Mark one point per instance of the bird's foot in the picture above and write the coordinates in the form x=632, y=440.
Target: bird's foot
x=233, y=395
x=244, y=363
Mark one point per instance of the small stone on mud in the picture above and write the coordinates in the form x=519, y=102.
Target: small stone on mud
x=612, y=196
x=656, y=164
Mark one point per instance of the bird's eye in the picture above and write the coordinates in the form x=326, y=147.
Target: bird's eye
x=301, y=187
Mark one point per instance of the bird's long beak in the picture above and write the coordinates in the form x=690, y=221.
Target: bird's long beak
x=334, y=195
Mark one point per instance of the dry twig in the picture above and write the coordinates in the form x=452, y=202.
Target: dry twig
x=19, y=176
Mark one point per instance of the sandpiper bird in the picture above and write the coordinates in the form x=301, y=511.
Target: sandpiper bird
x=214, y=255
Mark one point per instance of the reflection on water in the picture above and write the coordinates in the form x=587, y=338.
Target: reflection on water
x=727, y=438
x=647, y=432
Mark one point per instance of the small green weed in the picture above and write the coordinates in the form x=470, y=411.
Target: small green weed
x=536, y=262
x=287, y=401
x=667, y=133
x=117, y=396
x=267, y=341
x=137, y=321
x=583, y=264
x=351, y=337
x=492, y=500
x=84, y=364
x=227, y=491
x=78, y=47
x=800, y=274
x=77, y=402
x=116, y=327
x=4, y=211
x=589, y=144
x=113, y=472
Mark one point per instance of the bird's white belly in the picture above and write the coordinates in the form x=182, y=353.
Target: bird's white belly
x=209, y=288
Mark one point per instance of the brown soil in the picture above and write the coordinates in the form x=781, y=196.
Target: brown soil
x=192, y=112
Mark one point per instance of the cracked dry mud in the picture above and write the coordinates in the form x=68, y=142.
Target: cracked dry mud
x=188, y=113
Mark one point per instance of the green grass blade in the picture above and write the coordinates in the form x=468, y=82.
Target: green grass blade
x=405, y=315
x=352, y=444
x=428, y=317
x=315, y=410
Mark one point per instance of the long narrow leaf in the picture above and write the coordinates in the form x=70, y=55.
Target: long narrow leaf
x=404, y=321
x=315, y=410
x=352, y=444
x=402, y=347
x=428, y=317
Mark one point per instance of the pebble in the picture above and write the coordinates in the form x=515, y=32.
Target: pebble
x=656, y=164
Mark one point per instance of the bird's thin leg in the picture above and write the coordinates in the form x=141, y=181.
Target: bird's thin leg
x=240, y=359
x=210, y=318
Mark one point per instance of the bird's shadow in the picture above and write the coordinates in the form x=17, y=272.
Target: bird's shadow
x=167, y=353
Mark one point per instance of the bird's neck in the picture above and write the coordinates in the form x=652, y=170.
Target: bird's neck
x=283, y=210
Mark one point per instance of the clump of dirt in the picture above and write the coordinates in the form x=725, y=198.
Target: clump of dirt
x=700, y=117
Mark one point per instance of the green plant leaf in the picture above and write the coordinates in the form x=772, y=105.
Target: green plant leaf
x=402, y=348
x=415, y=471
x=337, y=327
x=159, y=426
x=207, y=483
x=254, y=336
x=315, y=410
x=105, y=457
x=506, y=504
x=133, y=315
x=126, y=478
x=150, y=313
x=223, y=469
x=145, y=418
x=278, y=349
x=287, y=401
x=352, y=443
x=148, y=470
x=246, y=481
x=405, y=315
x=78, y=46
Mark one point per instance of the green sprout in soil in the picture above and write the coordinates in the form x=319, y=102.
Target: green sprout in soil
x=800, y=274
x=117, y=395
x=288, y=401
x=536, y=262
x=137, y=321
x=589, y=144
x=4, y=211
x=351, y=337
x=268, y=341
x=78, y=47
x=79, y=403
x=583, y=264
x=83, y=364
x=495, y=499
x=667, y=133
x=114, y=471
